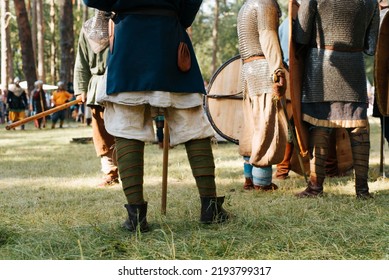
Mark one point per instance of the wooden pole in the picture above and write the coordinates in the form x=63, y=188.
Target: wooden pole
x=42, y=114
x=165, y=166
x=382, y=156
x=294, y=138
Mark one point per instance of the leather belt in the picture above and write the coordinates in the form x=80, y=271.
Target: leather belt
x=252, y=58
x=340, y=49
x=148, y=11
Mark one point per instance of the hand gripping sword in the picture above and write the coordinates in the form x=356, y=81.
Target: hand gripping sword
x=294, y=139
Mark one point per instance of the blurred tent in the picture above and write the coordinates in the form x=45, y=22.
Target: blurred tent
x=45, y=86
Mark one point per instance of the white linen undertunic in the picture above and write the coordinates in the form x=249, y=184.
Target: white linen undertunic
x=130, y=115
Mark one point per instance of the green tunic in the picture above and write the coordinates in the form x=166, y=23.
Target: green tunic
x=89, y=69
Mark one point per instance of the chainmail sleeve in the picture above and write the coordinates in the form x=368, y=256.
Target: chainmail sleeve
x=372, y=33
x=302, y=28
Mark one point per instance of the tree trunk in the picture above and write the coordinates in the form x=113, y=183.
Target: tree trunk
x=67, y=40
x=4, y=43
x=11, y=69
x=40, y=40
x=215, y=35
x=32, y=7
x=53, y=49
x=24, y=28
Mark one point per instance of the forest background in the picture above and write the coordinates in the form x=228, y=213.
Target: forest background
x=39, y=38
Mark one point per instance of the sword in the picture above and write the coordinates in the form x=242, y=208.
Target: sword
x=276, y=79
x=165, y=166
x=294, y=139
x=382, y=158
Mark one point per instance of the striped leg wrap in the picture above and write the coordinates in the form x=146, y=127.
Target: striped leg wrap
x=360, y=146
x=319, y=150
x=130, y=155
x=201, y=161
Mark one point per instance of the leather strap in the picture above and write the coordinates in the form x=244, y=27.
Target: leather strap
x=252, y=58
x=340, y=49
x=148, y=11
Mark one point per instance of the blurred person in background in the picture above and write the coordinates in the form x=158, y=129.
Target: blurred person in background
x=60, y=97
x=17, y=102
x=39, y=103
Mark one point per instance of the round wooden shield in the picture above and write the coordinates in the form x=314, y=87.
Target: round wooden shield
x=223, y=102
x=343, y=151
x=381, y=69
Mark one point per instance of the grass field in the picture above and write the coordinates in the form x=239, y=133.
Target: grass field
x=51, y=208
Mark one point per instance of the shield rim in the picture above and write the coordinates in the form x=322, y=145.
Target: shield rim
x=206, y=107
x=380, y=78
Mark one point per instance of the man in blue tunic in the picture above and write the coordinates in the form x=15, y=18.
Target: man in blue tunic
x=143, y=77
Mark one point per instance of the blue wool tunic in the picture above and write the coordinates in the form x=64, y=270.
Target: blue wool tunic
x=144, y=55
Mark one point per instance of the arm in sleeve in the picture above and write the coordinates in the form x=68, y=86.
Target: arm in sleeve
x=270, y=44
x=372, y=33
x=302, y=27
x=82, y=73
x=268, y=38
x=188, y=11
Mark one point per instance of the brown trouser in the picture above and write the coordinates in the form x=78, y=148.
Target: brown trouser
x=102, y=140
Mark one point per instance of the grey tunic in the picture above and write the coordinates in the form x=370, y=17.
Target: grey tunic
x=337, y=34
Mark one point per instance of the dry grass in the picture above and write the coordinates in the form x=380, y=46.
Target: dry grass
x=51, y=209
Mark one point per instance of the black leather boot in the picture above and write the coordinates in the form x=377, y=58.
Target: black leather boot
x=212, y=210
x=136, y=217
x=362, y=189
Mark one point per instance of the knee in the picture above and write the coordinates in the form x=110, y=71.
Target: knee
x=359, y=135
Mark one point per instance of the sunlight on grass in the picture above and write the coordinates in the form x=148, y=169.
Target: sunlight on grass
x=51, y=208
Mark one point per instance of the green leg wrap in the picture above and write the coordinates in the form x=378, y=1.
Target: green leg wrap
x=201, y=161
x=130, y=154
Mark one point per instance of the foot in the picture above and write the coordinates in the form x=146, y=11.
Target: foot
x=271, y=187
x=108, y=181
x=212, y=211
x=310, y=192
x=364, y=196
x=143, y=227
x=248, y=184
